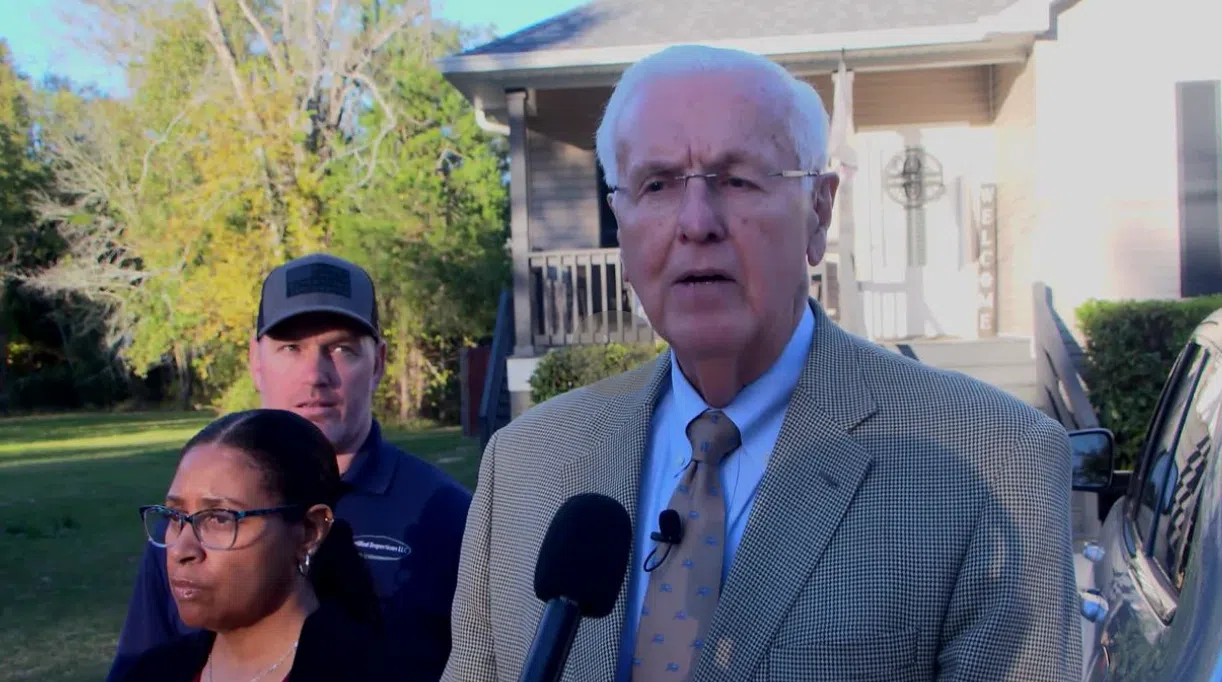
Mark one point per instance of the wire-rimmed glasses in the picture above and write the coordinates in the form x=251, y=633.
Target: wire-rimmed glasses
x=661, y=194
x=215, y=529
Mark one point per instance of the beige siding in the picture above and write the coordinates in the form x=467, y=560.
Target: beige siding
x=564, y=210
x=892, y=99
x=1014, y=100
x=563, y=195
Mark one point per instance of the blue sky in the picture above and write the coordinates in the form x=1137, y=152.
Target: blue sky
x=43, y=42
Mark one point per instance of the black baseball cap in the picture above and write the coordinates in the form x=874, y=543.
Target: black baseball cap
x=318, y=283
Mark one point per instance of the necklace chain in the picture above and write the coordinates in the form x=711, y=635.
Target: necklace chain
x=260, y=676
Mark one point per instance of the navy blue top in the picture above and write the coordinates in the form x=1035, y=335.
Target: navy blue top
x=407, y=517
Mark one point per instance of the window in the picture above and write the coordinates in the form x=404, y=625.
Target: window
x=1192, y=452
x=1161, y=448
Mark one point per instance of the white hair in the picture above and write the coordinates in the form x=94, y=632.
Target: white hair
x=806, y=115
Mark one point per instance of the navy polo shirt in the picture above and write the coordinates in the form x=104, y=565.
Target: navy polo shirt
x=407, y=517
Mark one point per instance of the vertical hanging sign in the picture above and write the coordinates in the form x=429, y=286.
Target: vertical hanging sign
x=986, y=263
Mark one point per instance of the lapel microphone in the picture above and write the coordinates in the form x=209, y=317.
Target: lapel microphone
x=669, y=533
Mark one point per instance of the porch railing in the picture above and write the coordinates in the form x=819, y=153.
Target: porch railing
x=579, y=297
x=494, y=401
x=1059, y=379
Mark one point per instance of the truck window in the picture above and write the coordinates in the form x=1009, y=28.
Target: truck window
x=1159, y=457
x=1192, y=452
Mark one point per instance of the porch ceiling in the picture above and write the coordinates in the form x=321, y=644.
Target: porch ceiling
x=570, y=115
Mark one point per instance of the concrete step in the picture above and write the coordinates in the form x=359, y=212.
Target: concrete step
x=999, y=375
x=1006, y=363
x=953, y=353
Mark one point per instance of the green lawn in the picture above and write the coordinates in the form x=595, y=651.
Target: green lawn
x=70, y=538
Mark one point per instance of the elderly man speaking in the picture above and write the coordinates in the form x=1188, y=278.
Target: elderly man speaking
x=848, y=514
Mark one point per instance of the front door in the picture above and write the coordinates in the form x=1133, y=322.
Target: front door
x=912, y=216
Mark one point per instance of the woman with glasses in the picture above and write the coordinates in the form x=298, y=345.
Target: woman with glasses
x=259, y=564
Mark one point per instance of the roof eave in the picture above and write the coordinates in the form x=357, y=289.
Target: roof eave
x=616, y=58
x=486, y=77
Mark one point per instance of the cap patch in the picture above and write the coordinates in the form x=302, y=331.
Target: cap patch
x=317, y=278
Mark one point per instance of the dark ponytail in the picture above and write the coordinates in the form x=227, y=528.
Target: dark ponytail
x=339, y=574
x=299, y=467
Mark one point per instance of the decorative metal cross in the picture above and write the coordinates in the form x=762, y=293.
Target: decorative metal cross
x=913, y=179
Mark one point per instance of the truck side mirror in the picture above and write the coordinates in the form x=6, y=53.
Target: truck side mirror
x=1092, y=451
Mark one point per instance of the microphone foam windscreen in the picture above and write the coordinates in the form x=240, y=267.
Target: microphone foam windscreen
x=584, y=555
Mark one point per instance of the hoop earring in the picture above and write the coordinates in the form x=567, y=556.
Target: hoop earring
x=304, y=566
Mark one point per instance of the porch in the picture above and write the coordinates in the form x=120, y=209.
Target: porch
x=917, y=222
x=921, y=217
x=579, y=297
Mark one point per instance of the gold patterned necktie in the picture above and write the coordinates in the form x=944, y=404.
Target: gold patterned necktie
x=682, y=592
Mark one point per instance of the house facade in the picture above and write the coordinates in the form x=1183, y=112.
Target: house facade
x=990, y=145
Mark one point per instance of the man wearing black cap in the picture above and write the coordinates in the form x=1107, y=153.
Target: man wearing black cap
x=317, y=351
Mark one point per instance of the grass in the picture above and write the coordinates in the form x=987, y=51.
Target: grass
x=70, y=539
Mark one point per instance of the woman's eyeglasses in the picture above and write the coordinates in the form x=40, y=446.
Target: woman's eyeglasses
x=215, y=529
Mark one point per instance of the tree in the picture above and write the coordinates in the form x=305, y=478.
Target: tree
x=431, y=227
x=259, y=130
x=23, y=244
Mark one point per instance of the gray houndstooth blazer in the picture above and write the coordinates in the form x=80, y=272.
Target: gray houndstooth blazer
x=913, y=524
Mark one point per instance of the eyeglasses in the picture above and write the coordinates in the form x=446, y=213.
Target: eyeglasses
x=661, y=195
x=215, y=529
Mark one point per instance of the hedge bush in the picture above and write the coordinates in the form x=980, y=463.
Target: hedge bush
x=1130, y=349
x=565, y=369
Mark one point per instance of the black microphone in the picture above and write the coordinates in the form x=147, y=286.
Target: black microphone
x=580, y=570
x=669, y=533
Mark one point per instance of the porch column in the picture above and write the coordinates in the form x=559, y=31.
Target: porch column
x=519, y=203
x=842, y=158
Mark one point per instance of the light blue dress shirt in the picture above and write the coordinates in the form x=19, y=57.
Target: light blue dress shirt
x=758, y=411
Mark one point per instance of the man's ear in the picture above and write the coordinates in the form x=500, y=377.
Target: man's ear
x=255, y=364
x=379, y=360
x=619, y=235
x=823, y=197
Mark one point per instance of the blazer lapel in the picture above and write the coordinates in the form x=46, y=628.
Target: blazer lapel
x=811, y=479
x=612, y=467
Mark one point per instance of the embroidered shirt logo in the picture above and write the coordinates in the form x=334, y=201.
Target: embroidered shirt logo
x=381, y=548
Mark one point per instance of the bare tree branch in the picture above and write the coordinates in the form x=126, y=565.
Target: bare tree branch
x=379, y=41
x=98, y=266
x=224, y=52
x=161, y=139
x=286, y=29
x=272, y=51
x=388, y=124
x=314, y=52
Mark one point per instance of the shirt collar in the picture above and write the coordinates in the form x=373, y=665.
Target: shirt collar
x=770, y=392
x=373, y=468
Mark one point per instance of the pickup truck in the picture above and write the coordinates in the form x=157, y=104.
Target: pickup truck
x=1153, y=595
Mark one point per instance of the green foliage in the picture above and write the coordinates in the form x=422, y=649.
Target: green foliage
x=232, y=156
x=565, y=369
x=51, y=354
x=1131, y=347
x=240, y=395
x=22, y=173
x=431, y=230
